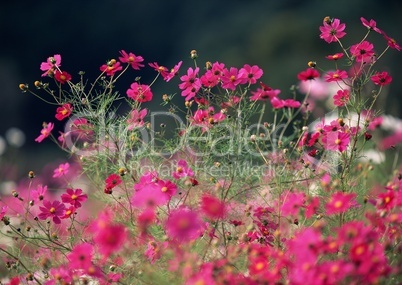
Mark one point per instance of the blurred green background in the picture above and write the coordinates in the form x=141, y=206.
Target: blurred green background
x=280, y=36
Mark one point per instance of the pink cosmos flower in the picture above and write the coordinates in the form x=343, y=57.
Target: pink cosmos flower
x=331, y=32
x=149, y=196
x=3, y=211
x=45, y=132
x=74, y=197
x=110, y=238
x=81, y=256
x=167, y=187
x=381, y=78
x=337, y=75
x=213, y=76
x=53, y=210
x=336, y=141
x=132, y=59
x=290, y=103
x=183, y=170
x=190, y=83
x=340, y=202
x=81, y=128
x=250, y=74
x=391, y=42
x=111, y=68
x=264, y=93
x=38, y=194
x=61, y=274
x=61, y=170
x=139, y=92
x=64, y=111
x=230, y=78
x=173, y=72
x=62, y=76
x=341, y=98
x=308, y=74
x=292, y=202
x=312, y=207
x=184, y=224
x=51, y=64
x=371, y=25
x=363, y=52
x=159, y=68
x=136, y=119
x=213, y=207
x=335, y=56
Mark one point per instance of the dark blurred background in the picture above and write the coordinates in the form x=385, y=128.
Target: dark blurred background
x=280, y=36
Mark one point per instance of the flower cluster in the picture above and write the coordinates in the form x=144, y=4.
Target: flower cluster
x=215, y=189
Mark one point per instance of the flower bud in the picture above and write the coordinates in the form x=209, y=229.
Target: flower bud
x=122, y=171
x=208, y=65
x=312, y=64
x=193, y=54
x=31, y=174
x=38, y=84
x=23, y=87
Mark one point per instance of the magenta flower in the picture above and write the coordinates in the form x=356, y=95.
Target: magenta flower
x=39, y=193
x=190, y=83
x=139, y=92
x=331, y=32
x=61, y=170
x=3, y=211
x=336, y=141
x=110, y=238
x=340, y=202
x=136, y=119
x=250, y=74
x=111, y=68
x=149, y=196
x=173, y=72
x=182, y=170
x=81, y=256
x=213, y=207
x=338, y=75
x=308, y=74
x=371, y=25
x=341, y=98
x=132, y=59
x=112, y=181
x=230, y=78
x=381, y=78
x=53, y=210
x=265, y=93
x=74, y=197
x=335, y=56
x=391, y=42
x=51, y=64
x=45, y=132
x=64, y=111
x=164, y=71
x=363, y=52
x=184, y=225
x=62, y=76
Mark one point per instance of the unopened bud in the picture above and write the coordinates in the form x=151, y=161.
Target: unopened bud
x=193, y=54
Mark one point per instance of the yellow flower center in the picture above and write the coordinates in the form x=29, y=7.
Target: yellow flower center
x=52, y=210
x=338, y=204
x=164, y=189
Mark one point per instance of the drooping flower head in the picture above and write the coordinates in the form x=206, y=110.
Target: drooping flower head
x=45, y=132
x=51, y=64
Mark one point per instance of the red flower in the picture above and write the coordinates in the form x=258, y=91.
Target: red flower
x=139, y=92
x=74, y=197
x=331, y=32
x=308, y=74
x=64, y=111
x=132, y=59
x=62, y=76
x=381, y=78
x=112, y=181
x=53, y=210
